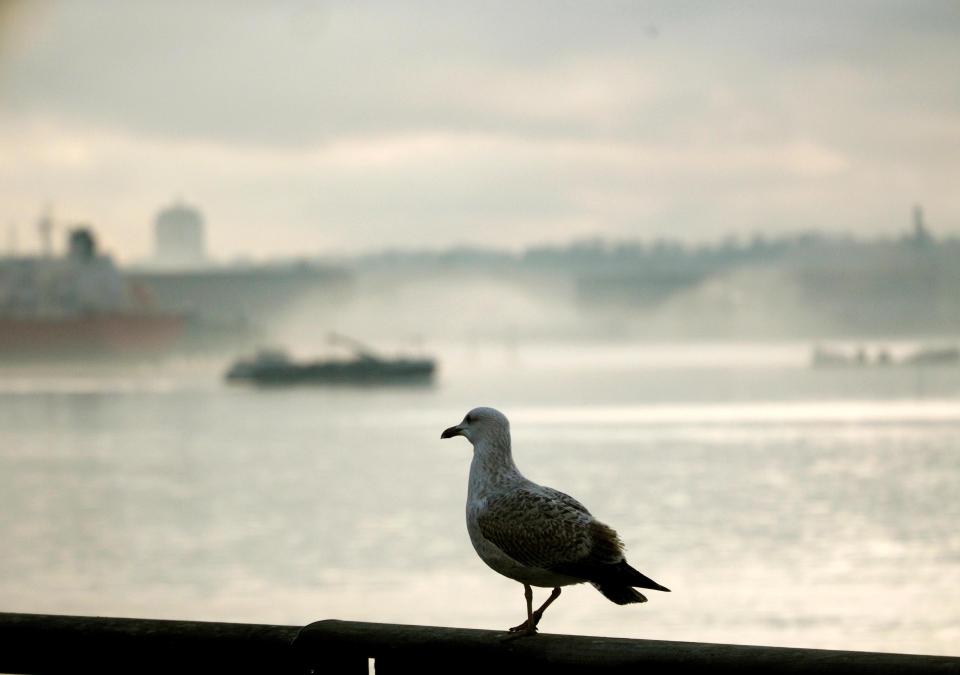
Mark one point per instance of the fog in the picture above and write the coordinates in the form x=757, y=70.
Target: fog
x=801, y=288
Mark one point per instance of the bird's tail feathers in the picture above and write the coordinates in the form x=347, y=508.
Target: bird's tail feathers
x=620, y=594
x=628, y=575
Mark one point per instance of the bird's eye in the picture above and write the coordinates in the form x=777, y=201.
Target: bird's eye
x=468, y=419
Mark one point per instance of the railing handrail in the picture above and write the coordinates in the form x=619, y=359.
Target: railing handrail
x=39, y=643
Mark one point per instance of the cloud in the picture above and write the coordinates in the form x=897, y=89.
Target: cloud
x=283, y=72
x=350, y=125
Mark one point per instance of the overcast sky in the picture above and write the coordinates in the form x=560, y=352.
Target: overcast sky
x=343, y=126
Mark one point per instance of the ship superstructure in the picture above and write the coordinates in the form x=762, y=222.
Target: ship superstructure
x=77, y=304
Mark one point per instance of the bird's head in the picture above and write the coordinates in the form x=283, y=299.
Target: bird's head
x=481, y=424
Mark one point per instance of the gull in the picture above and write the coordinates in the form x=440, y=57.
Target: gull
x=534, y=534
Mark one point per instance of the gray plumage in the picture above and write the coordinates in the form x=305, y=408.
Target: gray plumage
x=535, y=534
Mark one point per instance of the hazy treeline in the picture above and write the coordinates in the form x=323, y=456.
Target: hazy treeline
x=806, y=285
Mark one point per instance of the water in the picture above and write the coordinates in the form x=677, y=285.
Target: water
x=783, y=505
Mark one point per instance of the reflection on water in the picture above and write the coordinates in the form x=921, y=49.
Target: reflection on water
x=782, y=505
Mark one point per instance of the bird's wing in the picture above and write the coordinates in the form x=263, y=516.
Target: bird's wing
x=546, y=529
x=566, y=499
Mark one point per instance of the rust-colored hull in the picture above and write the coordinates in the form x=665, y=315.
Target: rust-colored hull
x=107, y=334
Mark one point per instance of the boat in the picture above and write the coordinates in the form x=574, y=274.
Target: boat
x=78, y=305
x=934, y=356
x=276, y=367
x=860, y=357
x=823, y=357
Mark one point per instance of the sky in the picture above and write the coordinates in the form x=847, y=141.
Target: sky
x=318, y=128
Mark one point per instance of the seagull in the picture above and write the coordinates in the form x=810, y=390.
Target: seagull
x=534, y=534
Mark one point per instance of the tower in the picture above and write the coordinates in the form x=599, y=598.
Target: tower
x=45, y=230
x=179, y=236
x=921, y=235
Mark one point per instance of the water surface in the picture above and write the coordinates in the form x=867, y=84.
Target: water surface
x=783, y=505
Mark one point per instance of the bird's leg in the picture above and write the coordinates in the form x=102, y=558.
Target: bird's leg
x=528, y=626
x=554, y=594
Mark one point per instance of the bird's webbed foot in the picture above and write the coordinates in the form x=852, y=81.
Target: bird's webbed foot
x=528, y=627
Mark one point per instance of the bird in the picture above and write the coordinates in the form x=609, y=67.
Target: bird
x=534, y=534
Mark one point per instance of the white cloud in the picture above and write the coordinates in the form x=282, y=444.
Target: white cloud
x=375, y=125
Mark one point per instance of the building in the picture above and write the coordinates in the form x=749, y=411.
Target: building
x=179, y=239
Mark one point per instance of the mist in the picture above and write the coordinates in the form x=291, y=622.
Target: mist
x=779, y=289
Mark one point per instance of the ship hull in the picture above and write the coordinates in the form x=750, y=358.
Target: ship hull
x=360, y=372
x=99, y=334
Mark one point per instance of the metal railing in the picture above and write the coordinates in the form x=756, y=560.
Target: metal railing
x=37, y=643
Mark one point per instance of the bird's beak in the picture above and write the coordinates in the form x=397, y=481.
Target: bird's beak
x=452, y=431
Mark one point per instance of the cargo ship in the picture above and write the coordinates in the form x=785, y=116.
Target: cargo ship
x=78, y=305
x=275, y=367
